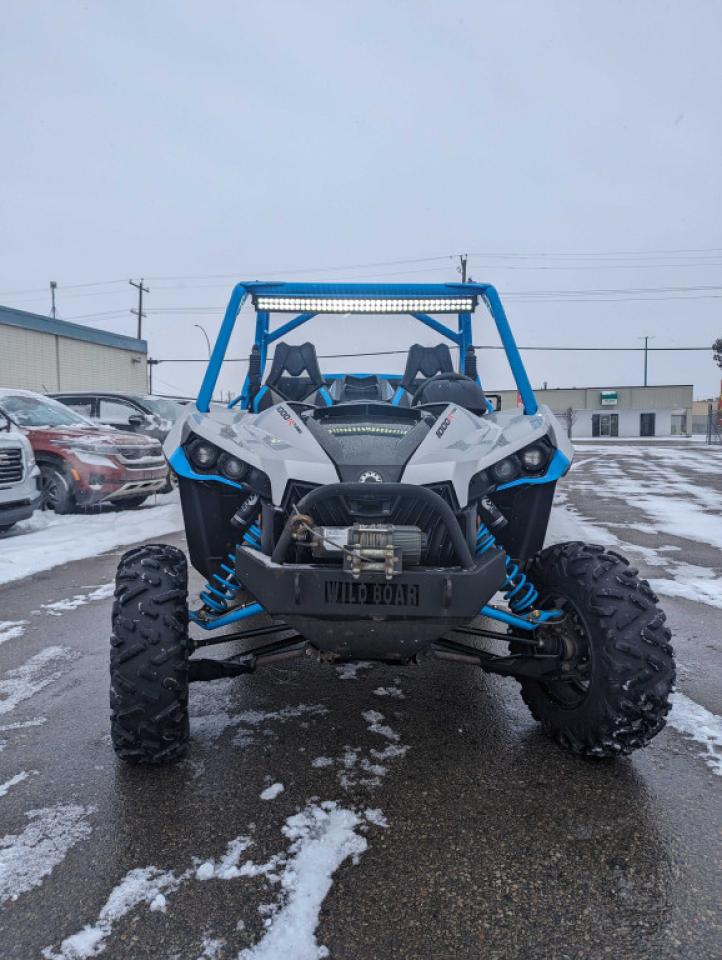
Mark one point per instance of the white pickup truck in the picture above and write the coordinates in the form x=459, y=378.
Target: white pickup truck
x=19, y=476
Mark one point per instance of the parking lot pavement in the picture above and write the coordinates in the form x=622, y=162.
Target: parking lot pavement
x=367, y=810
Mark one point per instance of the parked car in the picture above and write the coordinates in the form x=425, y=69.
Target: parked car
x=82, y=464
x=19, y=476
x=133, y=412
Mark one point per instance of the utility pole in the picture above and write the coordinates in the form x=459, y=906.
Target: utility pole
x=646, y=351
x=462, y=266
x=53, y=287
x=139, y=312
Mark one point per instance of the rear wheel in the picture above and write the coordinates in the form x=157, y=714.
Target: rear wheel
x=618, y=670
x=4, y=527
x=149, y=651
x=56, y=490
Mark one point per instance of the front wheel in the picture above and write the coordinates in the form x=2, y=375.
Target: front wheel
x=149, y=651
x=56, y=489
x=612, y=695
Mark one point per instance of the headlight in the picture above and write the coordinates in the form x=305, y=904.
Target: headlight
x=534, y=458
x=232, y=467
x=203, y=454
x=505, y=470
x=89, y=446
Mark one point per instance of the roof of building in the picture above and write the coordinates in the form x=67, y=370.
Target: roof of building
x=74, y=331
x=611, y=387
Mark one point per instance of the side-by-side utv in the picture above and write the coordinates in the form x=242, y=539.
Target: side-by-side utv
x=381, y=517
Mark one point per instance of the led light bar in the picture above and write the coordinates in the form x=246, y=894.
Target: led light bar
x=365, y=304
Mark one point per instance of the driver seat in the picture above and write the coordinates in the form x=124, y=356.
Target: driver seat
x=422, y=363
x=294, y=375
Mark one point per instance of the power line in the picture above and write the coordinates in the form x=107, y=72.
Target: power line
x=477, y=346
x=708, y=252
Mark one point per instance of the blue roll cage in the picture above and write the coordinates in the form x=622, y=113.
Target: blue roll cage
x=460, y=337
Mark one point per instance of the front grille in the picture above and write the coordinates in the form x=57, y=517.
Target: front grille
x=155, y=451
x=11, y=464
x=402, y=510
x=142, y=457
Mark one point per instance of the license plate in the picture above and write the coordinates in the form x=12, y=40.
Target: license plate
x=372, y=594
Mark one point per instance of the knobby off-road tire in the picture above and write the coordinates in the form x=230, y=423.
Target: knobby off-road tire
x=615, y=644
x=149, y=651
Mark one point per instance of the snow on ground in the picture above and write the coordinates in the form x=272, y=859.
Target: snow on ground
x=690, y=582
x=11, y=629
x=144, y=885
x=349, y=671
x=685, y=580
x=23, y=682
x=60, y=607
x=322, y=837
x=47, y=540
x=395, y=692
x=696, y=723
x=270, y=793
x=13, y=781
x=28, y=857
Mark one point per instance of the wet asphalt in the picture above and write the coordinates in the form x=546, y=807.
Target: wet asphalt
x=498, y=845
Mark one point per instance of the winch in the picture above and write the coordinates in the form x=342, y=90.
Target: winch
x=371, y=548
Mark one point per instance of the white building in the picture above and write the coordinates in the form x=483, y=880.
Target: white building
x=39, y=353
x=658, y=411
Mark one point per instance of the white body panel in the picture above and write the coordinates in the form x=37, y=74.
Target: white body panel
x=26, y=488
x=459, y=445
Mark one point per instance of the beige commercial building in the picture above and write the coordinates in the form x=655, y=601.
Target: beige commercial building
x=658, y=411
x=39, y=353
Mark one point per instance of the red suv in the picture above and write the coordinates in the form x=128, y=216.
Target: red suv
x=80, y=463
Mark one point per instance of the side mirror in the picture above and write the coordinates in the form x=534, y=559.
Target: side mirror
x=495, y=399
x=136, y=420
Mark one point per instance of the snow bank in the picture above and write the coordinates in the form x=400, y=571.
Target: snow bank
x=28, y=857
x=47, y=540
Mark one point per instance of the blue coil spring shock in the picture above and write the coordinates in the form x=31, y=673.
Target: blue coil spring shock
x=520, y=593
x=220, y=592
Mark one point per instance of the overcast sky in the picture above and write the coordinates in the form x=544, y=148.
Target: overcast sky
x=571, y=148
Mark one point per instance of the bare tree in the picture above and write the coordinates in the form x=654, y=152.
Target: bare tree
x=569, y=417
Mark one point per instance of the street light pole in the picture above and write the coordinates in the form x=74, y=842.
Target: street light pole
x=53, y=288
x=208, y=342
